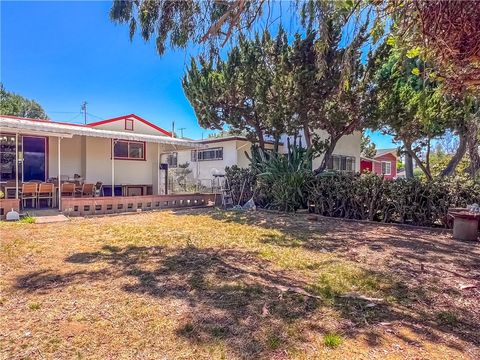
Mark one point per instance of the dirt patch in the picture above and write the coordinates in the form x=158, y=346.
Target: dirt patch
x=210, y=284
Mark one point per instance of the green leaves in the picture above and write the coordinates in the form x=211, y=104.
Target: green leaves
x=17, y=105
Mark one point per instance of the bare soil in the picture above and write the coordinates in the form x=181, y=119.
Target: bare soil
x=212, y=284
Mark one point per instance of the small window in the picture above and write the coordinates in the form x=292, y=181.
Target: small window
x=386, y=168
x=210, y=154
x=172, y=160
x=129, y=124
x=194, y=156
x=129, y=150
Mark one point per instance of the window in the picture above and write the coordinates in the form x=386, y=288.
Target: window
x=172, y=160
x=341, y=163
x=210, y=154
x=129, y=124
x=386, y=168
x=7, y=158
x=129, y=150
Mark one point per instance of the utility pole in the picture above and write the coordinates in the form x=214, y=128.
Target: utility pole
x=181, y=132
x=84, y=109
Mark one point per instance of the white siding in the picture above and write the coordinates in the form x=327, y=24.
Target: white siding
x=138, y=127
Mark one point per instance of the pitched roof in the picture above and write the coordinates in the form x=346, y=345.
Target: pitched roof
x=381, y=152
x=53, y=128
x=130, y=116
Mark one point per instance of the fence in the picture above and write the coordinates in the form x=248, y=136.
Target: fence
x=122, y=204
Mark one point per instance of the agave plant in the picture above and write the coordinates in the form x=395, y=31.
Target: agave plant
x=284, y=175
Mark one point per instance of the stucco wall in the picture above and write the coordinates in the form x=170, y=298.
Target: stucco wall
x=72, y=159
x=90, y=157
x=348, y=145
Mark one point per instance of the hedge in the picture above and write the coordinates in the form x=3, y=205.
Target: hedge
x=369, y=197
x=406, y=201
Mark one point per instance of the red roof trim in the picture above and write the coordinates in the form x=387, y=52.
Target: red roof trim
x=163, y=131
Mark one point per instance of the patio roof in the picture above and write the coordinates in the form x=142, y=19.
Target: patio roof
x=51, y=128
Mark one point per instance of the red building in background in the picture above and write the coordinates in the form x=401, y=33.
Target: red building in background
x=383, y=163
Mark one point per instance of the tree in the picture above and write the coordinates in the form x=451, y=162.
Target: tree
x=446, y=31
x=16, y=105
x=248, y=91
x=330, y=82
x=411, y=105
x=368, y=149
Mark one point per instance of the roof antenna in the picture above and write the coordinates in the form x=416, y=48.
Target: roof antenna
x=84, y=109
x=181, y=132
x=173, y=128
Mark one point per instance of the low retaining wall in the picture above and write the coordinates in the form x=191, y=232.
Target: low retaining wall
x=8, y=204
x=122, y=204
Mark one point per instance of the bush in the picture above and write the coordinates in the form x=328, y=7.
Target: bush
x=238, y=179
x=407, y=201
x=283, y=178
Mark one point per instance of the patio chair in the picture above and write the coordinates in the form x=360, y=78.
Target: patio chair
x=68, y=190
x=87, y=190
x=29, y=192
x=45, y=192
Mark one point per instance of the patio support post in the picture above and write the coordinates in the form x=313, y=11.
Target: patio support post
x=158, y=169
x=16, y=167
x=113, y=167
x=59, y=176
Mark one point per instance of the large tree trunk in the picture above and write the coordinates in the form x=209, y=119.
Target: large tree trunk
x=408, y=149
x=427, y=157
x=261, y=140
x=452, y=164
x=473, y=148
x=408, y=166
x=327, y=155
x=307, y=136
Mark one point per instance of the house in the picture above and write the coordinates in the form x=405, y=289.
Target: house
x=123, y=154
x=207, y=166
x=383, y=163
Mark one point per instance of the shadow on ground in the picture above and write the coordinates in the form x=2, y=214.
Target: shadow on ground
x=236, y=297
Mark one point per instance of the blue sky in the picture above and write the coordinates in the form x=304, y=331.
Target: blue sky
x=62, y=53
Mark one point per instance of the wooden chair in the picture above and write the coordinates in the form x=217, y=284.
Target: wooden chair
x=45, y=192
x=68, y=190
x=87, y=190
x=29, y=192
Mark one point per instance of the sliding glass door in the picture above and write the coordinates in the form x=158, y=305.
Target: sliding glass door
x=34, y=158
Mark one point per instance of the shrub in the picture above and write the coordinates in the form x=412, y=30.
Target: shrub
x=242, y=183
x=407, y=201
x=283, y=177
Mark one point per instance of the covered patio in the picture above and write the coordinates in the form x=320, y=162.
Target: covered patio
x=46, y=163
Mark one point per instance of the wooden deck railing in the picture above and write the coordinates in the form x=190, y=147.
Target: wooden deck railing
x=122, y=204
x=8, y=204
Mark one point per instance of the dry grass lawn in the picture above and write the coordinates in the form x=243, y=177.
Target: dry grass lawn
x=204, y=283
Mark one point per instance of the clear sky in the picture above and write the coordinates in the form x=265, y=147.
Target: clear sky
x=62, y=53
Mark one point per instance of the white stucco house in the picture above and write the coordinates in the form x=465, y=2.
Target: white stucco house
x=128, y=155
x=208, y=165
x=122, y=154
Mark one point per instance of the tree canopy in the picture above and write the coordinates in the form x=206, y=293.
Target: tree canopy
x=17, y=105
